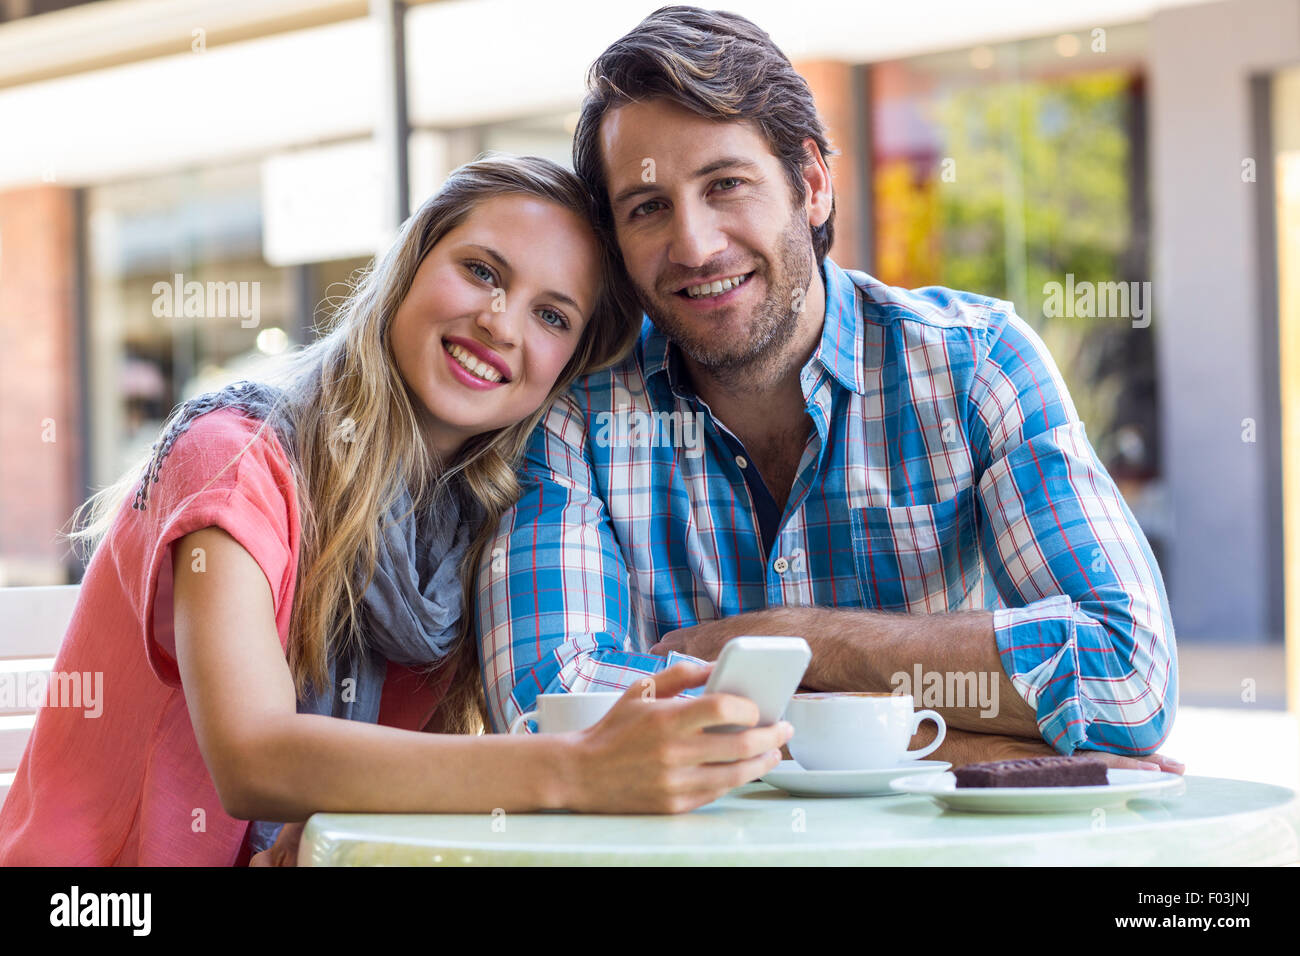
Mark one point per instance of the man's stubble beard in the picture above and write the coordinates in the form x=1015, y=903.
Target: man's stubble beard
x=775, y=321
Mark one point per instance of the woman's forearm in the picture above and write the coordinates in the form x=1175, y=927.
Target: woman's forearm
x=310, y=763
x=271, y=763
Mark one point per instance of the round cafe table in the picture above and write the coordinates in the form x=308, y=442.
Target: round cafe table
x=1214, y=822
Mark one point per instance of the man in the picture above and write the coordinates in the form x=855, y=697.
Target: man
x=898, y=476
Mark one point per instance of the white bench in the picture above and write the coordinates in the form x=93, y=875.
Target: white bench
x=32, y=624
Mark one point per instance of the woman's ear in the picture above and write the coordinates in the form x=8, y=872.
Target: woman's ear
x=817, y=177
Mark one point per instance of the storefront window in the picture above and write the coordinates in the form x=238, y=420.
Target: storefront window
x=1018, y=171
x=182, y=301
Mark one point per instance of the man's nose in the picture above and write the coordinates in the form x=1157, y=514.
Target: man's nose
x=696, y=237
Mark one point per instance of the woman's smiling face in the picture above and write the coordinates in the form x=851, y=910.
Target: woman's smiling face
x=494, y=313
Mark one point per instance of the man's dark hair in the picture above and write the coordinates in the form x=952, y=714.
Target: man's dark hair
x=718, y=65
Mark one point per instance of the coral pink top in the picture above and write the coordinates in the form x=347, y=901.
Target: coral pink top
x=129, y=786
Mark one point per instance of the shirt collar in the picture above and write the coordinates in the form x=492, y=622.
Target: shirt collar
x=661, y=359
x=840, y=351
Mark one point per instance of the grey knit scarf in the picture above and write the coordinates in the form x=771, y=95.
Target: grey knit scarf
x=412, y=605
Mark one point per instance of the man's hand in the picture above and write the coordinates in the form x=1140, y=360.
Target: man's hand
x=707, y=639
x=1148, y=762
x=961, y=747
x=704, y=641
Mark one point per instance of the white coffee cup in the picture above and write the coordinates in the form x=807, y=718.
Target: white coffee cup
x=856, y=731
x=559, y=713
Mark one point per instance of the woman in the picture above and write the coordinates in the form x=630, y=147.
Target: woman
x=294, y=556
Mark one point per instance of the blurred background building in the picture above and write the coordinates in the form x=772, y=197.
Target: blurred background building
x=998, y=148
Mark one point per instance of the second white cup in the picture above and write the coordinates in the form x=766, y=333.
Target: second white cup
x=560, y=713
x=856, y=731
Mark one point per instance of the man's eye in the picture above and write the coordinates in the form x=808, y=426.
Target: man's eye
x=644, y=208
x=730, y=179
x=554, y=318
x=480, y=271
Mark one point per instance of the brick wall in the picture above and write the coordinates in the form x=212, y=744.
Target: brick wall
x=41, y=441
x=832, y=87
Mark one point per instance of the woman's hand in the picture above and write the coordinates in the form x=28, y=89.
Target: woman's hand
x=284, y=851
x=651, y=753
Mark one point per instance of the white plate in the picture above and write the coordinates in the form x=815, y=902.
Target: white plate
x=794, y=779
x=1124, y=785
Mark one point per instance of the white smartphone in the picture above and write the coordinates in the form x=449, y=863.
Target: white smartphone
x=767, y=670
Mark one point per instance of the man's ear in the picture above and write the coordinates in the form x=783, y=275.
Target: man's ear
x=818, y=196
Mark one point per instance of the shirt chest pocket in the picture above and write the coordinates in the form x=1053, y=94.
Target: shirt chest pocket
x=922, y=559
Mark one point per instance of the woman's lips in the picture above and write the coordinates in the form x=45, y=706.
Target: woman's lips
x=479, y=353
x=465, y=376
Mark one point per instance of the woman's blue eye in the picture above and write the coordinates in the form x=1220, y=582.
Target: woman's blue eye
x=484, y=272
x=560, y=323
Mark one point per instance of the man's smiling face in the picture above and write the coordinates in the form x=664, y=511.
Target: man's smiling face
x=714, y=240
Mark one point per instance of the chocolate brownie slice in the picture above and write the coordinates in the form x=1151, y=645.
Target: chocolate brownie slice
x=1034, y=772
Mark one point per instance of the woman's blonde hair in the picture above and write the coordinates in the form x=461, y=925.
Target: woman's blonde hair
x=357, y=435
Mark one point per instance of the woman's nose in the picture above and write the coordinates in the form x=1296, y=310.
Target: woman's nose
x=500, y=321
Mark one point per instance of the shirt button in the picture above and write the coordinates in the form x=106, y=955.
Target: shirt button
x=741, y=463
x=780, y=565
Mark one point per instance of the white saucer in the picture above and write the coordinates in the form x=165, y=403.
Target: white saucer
x=794, y=779
x=1124, y=785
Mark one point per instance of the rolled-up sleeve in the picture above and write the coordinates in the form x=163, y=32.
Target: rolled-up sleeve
x=1087, y=638
x=552, y=604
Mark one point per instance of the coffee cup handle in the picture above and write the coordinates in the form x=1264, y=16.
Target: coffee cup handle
x=520, y=724
x=919, y=716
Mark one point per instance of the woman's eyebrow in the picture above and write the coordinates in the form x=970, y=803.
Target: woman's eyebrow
x=505, y=266
x=493, y=254
x=561, y=297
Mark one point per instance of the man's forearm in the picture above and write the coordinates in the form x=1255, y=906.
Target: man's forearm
x=948, y=662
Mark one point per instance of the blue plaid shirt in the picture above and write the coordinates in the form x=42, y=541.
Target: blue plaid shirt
x=947, y=470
